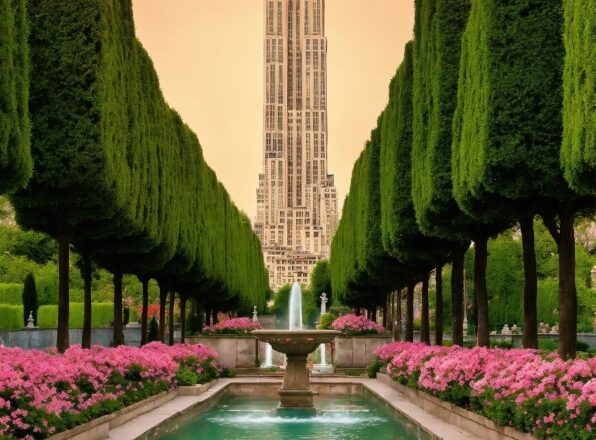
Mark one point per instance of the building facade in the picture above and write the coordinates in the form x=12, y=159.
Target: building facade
x=296, y=197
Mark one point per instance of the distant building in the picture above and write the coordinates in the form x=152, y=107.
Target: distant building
x=296, y=197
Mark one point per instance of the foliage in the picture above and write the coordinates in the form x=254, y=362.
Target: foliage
x=102, y=315
x=499, y=133
x=545, y=396
x=362, y=272
x=11, y=317
x=401, y=235
x=15, y=156
x=46, y=393
x=326, y=320
x=11, y=293
x=30, y=303
x=320, y=282
x=122, y=174
x=436, y=54
x=578, y=155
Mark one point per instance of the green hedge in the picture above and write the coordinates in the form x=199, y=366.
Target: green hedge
x=102, y=315
x=11, y=293
x=11, y=317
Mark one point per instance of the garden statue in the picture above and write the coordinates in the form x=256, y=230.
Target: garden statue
x=30, y=320
x=254, y=315
x=505, y=330
x=515, y=330
x=555, y=329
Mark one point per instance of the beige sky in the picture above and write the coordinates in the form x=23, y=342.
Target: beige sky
x=209, y=58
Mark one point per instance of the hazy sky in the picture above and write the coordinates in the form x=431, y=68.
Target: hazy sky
x=209, y=58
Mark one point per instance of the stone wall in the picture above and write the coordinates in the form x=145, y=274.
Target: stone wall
x=46, y=338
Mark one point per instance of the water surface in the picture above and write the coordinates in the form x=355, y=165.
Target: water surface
x=337, y=418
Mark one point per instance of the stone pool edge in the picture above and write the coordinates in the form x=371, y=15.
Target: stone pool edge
x=184, y=407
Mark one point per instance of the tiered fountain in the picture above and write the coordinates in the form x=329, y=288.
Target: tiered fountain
x=297, y=344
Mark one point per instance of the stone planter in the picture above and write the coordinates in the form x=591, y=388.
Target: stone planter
x=234, y=351
x=357, y=351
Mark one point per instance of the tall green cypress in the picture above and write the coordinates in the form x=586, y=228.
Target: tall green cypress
x=30, y=301
x=15, y=155
x=508, y=132
x=437, y=44
x=578, y=152
x=401, y=235
x=118, y=171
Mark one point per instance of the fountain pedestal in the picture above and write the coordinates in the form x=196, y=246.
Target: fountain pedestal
x=297, y=345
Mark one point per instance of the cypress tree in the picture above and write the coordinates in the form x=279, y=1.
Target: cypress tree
x=15, y=130
x=436, y=53
x=402, y=237
x=120, y=168
x=507, y=136
x=578, y=155
x=30, y=303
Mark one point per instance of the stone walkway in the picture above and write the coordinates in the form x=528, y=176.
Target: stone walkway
x=183, y=404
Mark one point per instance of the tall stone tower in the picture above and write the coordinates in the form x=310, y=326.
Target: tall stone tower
x=296, y=197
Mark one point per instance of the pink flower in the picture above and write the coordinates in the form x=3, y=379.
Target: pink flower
x=357, y=325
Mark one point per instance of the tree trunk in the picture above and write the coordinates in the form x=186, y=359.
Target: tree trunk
x=214, y=318
x=530, y=336
x=390, y=311
x=182, y=319
x=144, y=311
x=62, y=337
x=439, y=306
x=385, y=311
x=424, y=321
x=171, y=320
x=457, y=297
x=567, y=289
x=87, y=275
x=410, y=312
x=163, y=298
x=480, y=291
x=397, y=325
x=118, y=337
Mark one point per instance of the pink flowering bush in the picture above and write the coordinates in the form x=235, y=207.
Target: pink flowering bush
x=352, y=325
x=524, y=389
x=232, y=326
x=42, y=393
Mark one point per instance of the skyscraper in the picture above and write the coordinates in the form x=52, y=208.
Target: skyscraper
x=296, y=197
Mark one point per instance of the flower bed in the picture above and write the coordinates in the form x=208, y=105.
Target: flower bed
x=540, y=394
x=42, y=393
x=352, y=325
x=232, y=326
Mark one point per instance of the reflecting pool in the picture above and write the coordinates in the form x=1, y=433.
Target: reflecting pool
x=336, y=418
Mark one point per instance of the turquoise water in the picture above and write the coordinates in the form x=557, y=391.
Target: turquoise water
x=343, y=418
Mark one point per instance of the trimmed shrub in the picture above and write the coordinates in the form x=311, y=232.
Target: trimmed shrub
x=11, y=317
x=10, y=293
x=102, y=315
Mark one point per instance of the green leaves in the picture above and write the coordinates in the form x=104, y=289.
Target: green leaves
x=118, y=169
x=15, y=156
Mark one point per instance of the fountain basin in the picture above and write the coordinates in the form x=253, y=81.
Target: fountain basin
x=297, y=345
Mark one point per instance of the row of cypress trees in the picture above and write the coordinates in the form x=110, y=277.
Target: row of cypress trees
x=490, y=122
x=119, y=176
